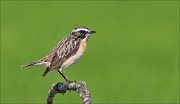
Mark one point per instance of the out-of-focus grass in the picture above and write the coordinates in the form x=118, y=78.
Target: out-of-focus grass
x=133, y=58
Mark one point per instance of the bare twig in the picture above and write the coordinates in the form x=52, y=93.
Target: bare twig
x=79, y=87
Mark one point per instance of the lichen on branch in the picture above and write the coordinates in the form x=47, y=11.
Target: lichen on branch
x=60, y=87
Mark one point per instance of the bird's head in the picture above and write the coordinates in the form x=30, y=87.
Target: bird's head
x=82, y=32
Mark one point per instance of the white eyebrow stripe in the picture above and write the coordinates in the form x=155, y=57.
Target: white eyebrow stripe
x=75, y=30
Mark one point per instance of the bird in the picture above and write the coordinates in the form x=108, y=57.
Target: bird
x=66, y=52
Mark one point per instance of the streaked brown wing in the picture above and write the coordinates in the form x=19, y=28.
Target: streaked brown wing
x=52, y=53
x=66, y=49
x=63, y=50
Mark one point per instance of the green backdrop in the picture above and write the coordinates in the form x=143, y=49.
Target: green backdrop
x=133, y=58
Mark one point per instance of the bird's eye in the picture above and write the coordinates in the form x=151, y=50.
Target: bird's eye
x=81, y=31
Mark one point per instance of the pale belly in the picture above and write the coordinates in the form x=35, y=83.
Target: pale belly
x=75, y=57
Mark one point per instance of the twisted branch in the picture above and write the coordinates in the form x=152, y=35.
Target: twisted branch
x=60, y=87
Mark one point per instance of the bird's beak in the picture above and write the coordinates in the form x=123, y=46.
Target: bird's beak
x=92, y=32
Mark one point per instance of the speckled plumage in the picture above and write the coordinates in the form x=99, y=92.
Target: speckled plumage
x=67, y=51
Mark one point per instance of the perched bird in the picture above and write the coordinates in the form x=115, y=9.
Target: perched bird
x=66, y=52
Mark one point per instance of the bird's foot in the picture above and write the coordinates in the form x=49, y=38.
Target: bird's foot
x=70, y=82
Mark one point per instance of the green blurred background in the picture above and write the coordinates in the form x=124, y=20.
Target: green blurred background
x=133, y=58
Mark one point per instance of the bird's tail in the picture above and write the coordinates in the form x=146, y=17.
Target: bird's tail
x=46, y=71
x=34, y=63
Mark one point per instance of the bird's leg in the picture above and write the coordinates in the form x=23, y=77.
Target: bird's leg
x=63, y=75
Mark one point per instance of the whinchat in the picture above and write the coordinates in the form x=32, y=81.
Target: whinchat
x=66, y=52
